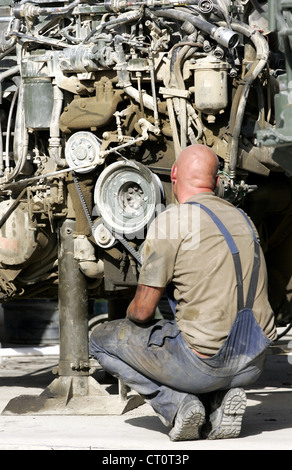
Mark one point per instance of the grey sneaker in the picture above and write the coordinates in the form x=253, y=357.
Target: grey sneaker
x=189, y=420
x=227, y=410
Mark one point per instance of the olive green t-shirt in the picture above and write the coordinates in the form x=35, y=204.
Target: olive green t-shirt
x=183, y=245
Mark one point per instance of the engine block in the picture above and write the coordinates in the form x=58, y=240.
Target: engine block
x=97, y=99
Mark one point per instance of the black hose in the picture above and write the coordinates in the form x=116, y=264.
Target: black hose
x=222, y=35
x=183, y=16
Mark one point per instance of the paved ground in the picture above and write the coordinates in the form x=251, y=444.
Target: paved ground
x=267, y=422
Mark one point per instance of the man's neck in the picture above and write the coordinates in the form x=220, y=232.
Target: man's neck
x=186, y=196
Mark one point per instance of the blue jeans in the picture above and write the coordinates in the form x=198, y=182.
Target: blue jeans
x=154, y=360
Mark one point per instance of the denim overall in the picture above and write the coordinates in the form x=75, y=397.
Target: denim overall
x=154, y=359
x=246, y=338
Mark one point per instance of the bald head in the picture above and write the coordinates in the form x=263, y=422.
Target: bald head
x=195, y=171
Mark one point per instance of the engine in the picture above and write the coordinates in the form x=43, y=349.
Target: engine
x=97, y=98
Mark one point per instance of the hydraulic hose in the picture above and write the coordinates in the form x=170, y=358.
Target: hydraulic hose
x=240, y=98
x=31, y=10
x=20, y=144
x=224, y=36
x=7, y=73
x=124, y=18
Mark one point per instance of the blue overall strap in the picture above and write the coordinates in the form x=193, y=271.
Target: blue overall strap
x=256, y=266
x=234, y=251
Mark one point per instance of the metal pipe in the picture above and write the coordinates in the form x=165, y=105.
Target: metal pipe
x=73, y=307
x=132, y=92
x=172, y=121
x=55, y=141
x=9, y=120
x=20, y=144
x=153, y=89
x=6, y=74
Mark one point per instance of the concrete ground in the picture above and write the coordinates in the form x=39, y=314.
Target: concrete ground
x=267, y=423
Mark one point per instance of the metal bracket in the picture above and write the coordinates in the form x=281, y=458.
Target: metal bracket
x=74, y=391
x=74, y=396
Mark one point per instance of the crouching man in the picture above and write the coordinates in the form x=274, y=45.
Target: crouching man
x=191, y=369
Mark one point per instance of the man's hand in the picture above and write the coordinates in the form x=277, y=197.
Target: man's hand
x=142, y=308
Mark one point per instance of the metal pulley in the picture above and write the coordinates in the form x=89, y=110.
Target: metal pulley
x=82, y=152
x=126, y=196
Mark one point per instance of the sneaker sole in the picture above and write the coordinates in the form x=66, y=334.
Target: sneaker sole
x=189, y=427
x=233, y=406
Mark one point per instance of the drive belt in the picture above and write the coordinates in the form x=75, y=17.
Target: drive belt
x=123, y=241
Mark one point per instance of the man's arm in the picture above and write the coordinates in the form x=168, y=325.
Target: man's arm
x=142, y=308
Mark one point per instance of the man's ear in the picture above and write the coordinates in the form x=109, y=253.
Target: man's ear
x=173, y=173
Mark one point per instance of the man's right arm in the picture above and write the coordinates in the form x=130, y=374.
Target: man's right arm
x=142, y=308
